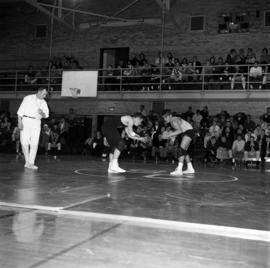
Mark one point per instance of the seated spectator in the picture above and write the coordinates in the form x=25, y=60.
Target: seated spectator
x=255, y=75
x=97, y=144
x=142, y=59
x=211, y=151
x=224, y=150
x=31, y=76
x=54, y=141
x=232, y=57
x=252, y=150
x=265, y=57
x=238, y=149
x=214, y=129
x=45, y=138
x=197, y=118
x=160, y=58
x=228, y=133
x=251, y=56
x=249, y=123
x=265, y=149
x=266, y=116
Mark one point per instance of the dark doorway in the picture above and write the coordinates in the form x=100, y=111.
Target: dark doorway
x=114, y=57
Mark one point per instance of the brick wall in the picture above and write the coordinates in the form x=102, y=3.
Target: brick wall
x=18, y=45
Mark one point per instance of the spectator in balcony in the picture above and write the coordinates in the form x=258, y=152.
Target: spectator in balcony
x=160, y=59
x=219, y=69
x=31, y=76
x=169, y=66
x=232, y=57
x=110, y=79
x=255, y=75
x=238, y=149
x=250, y=56
x=142, y=59
x=207, y=72
x=265, y=57
x=169, y=58
x=252, y=150
x=240, y=70
x=133, y=60
x=177, y=74
x=198, y=69
x=211, y=151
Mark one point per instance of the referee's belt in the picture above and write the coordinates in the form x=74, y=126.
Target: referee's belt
x=30, y=117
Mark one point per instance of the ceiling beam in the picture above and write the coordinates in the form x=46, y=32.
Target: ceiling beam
x=35, y=4
x=86, y=12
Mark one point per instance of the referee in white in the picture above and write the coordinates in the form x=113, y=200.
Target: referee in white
x=32, y=109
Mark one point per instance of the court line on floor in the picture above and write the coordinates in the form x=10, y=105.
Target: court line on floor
x=207, y=229
x=85, y=201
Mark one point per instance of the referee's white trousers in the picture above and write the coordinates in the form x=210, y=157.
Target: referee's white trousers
x=30, y=138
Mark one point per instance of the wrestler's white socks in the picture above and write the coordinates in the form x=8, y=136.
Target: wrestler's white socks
x=178, y=171
x=189, y=170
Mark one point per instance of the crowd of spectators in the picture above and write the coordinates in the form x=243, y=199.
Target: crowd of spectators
x=219, y=138
x=238, y=69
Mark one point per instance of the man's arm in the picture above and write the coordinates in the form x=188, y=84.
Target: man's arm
x=176, y=124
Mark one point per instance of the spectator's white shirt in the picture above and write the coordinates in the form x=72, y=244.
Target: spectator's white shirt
x=255, y=71
x=238, y=146
x=30, y=106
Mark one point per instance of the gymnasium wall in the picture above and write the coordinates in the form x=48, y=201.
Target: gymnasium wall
x=94, y=107
x=19, y=47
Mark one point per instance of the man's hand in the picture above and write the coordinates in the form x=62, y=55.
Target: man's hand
x=42, y=114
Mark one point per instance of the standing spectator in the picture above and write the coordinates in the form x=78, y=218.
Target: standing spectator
x=238, y=149
x=255, y=75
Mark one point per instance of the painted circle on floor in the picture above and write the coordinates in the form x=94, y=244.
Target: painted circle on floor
x=162, y=175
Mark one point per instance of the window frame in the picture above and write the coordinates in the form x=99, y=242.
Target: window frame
x=264, y=18
x=36, y=30
x=190, y=22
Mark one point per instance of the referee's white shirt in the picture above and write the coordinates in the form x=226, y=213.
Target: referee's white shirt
x=30, y=106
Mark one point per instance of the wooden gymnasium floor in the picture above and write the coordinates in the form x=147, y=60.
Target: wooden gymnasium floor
x=70, y=213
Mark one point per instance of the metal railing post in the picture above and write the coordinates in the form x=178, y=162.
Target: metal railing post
x=121, y=79
x=203, y=82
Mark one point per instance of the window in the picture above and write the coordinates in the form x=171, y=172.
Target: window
x=233, y=23
x=267, y=18
x=41, y=31
x=197, y=23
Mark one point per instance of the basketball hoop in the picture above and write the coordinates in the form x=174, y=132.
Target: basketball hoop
x=75, y=92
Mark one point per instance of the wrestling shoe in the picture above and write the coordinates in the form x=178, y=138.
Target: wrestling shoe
x=189, y=170
x=26, y=164
x=114, y=168
x=178, y=172
x=32, y=166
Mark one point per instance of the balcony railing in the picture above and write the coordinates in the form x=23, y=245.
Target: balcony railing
x=217, y=77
